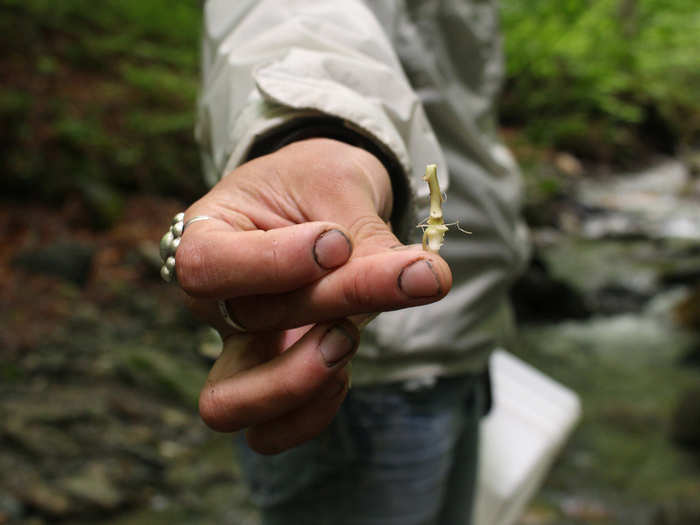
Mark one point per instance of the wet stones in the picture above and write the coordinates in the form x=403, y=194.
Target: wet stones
x=685, y=421
x=67, y=259
x=538, y=296
x=679, y=512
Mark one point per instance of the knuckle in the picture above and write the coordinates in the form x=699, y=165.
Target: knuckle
x=357, y=292
x=292, y=387
x=367, y=224
x=371, y=226
x=274, y=265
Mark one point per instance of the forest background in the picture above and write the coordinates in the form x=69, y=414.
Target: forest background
x=100, y=363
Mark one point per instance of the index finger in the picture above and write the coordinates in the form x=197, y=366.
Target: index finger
x=216, y=261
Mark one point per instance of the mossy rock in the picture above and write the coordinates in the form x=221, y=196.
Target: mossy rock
x=685, y=422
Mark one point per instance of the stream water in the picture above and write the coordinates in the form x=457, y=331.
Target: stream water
x=630, y=258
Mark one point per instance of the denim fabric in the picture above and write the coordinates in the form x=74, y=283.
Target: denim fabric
x=390, y=457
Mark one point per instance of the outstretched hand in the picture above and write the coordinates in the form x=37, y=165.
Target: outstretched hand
x=301, y=251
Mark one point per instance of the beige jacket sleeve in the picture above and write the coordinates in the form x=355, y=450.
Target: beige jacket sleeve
x=268, y=62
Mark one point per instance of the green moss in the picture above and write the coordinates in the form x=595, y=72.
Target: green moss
x=157, y=370
x=103, y=96
x=599, y=78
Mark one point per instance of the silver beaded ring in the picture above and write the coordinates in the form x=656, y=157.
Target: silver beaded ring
x=168, y=246
x=170, y=242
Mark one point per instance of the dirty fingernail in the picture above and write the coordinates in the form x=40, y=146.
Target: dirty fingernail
x=331, y=249
x=335, y=345
x=419, y=280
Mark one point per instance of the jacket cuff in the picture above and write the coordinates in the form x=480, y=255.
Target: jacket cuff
x=342, y=131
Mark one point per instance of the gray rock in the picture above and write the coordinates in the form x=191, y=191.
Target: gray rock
x=159, y=370
x=539, y=296
x=66, y=404
x=41, y=441
x=679, y=512
x=687, y=311
x=105, y=202
x=93, y=486
x=11, y=509
x=628, y=341
x=590, y=266
x=47, y=499
x=685, y=422
x=70, y=260
x=654, y=203
x=691, y=159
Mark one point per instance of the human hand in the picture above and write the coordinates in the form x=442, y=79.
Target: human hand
x=298, y=247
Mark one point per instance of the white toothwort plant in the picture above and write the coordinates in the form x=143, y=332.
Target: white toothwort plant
x=434, y=230
x=434, y=227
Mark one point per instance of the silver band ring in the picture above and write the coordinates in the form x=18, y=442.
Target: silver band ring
x=223, y=308
x=195, y=219
x=171, y=241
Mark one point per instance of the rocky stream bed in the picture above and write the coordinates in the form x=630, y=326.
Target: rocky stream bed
x=100, y=365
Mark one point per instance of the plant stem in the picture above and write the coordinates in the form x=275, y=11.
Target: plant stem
x=434, y=232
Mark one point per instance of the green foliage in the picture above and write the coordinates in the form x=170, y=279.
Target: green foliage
x=98, y=99
x=595, y=76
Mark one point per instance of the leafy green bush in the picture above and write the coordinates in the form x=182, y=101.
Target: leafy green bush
x=599, y=77
x=98, y=99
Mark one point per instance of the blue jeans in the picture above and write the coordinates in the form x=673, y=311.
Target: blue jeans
x=390, y=457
